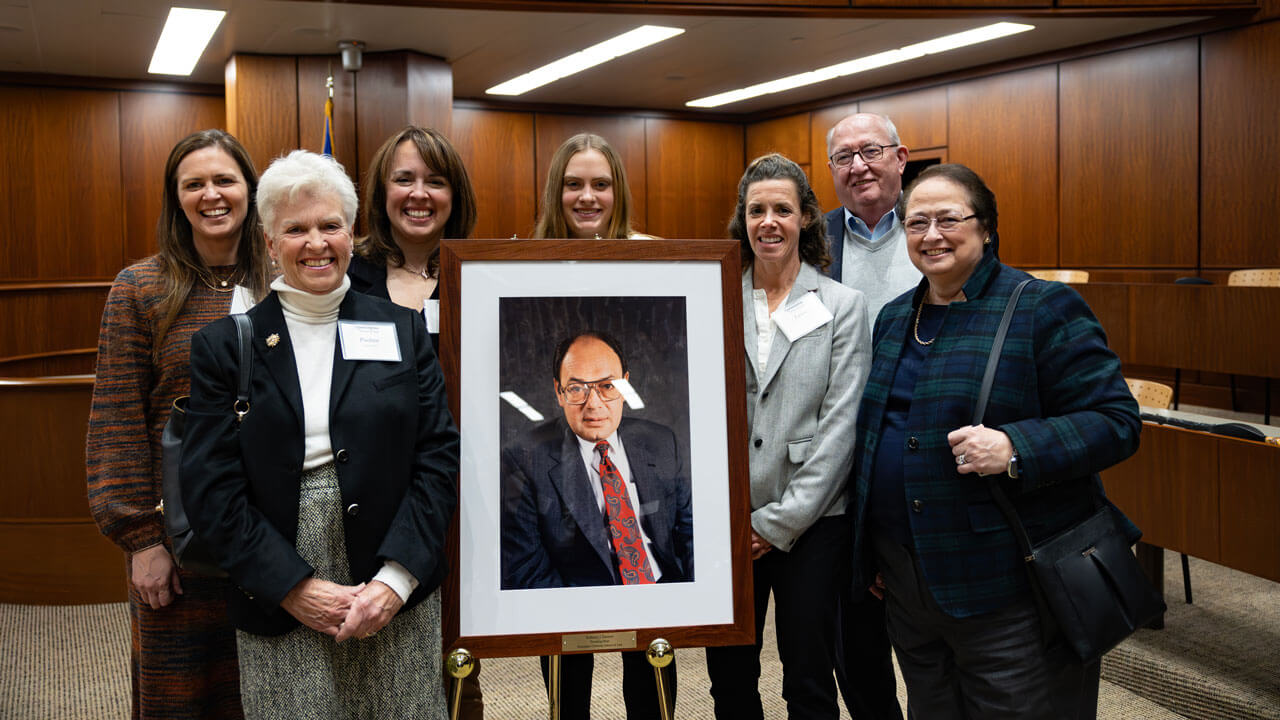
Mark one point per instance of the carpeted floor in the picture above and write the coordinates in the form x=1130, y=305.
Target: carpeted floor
x=1215, y=659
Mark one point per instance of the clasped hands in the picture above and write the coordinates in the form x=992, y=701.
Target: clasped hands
x=342, y=611
x=980, y=449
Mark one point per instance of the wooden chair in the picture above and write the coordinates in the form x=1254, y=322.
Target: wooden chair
x=1065, y=276
x=1150, y=393
x=1255, y=277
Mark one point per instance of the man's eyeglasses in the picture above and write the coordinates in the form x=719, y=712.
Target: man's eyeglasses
x=919, y=224
x=578, y=393
x=869, y=153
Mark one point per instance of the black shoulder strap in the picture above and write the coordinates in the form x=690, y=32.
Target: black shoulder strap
x=244, y=338
x=997, y=346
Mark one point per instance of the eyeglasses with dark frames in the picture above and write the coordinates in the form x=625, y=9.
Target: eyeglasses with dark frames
x=869, y=154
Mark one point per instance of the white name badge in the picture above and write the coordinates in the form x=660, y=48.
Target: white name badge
x=368, y=340
x=802, y=317
x=431, y=310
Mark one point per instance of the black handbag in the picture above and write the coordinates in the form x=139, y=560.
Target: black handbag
x=189, y=551
x=1086, y=582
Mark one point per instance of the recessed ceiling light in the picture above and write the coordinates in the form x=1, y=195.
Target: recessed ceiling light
x=628, y=42
x=186, y=34
x=862, y=64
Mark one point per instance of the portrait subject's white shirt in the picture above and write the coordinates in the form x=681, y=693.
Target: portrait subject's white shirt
x=618, y=455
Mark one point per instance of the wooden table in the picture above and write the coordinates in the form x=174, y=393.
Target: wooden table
x=1213, y=497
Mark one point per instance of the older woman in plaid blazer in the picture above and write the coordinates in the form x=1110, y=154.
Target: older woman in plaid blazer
x=960, y=612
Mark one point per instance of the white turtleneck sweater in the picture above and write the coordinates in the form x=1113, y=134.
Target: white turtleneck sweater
x=313, y=331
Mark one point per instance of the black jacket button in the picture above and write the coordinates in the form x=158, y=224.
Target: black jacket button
x=758, y=442
x=342, y=455
x=917, y=505
x=764, y=395
x=353, y=509
x=912, y=443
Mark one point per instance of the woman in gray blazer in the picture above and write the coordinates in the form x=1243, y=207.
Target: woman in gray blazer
x=808, y=353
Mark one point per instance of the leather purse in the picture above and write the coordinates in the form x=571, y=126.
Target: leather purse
x=190, y=552
x=1087, y=584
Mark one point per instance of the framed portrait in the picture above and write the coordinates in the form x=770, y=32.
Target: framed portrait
x=603, y=490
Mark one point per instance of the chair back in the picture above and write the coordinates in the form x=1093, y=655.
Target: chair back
x=1150, y=393
x=1064, y=276
x=1264, y=277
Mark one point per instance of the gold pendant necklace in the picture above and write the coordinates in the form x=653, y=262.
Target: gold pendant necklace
x=916, y=332
x=224, y=285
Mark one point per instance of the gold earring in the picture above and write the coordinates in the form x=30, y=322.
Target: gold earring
x=987, y=241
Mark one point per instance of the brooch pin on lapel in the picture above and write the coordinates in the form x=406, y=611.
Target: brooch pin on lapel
x=273, y=340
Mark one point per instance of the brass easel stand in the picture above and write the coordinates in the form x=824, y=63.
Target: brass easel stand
x=660, y=654
x=553, y=691
x=459, y=665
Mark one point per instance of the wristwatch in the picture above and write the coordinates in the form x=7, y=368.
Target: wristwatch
x=1012, y=469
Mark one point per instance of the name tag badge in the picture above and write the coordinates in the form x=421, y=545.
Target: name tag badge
x=431, y=310
x=802, y=317
x=369, y=340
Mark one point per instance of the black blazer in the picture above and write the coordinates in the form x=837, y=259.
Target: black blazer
x=395, y=447
x=371, y=279
x=553, y=533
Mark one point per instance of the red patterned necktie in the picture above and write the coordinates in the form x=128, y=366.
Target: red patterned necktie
x=624, y=529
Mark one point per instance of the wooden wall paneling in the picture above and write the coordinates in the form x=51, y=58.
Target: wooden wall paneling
x=497, y=148
x=1239, y=149
x=696, y=167
x=398, y=88
x=788, y=135
x=43, y=447
x=151, y=123
x=1169, y=489
x=1005, y=127
x=920, y=116
x=430, y=82
x=820, y=123
x=262, y=104
x=625, y=135
x=60, y=194
x=1249, y=509
x=1128, y=157
x=46, y=319
x=76, y=565
x=312, y=72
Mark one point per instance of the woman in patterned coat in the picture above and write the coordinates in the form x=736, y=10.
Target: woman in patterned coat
x=210, y=262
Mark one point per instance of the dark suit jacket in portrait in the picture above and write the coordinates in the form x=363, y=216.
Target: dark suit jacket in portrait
x=553, y=532
x=395, y=451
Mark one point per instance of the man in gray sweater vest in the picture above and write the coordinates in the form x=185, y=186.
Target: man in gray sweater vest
x=868, y=248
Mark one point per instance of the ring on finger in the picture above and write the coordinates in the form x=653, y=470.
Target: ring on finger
x=960, y=459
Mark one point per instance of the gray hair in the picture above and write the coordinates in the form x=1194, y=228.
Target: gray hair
x=885, y=124
x=304, y=172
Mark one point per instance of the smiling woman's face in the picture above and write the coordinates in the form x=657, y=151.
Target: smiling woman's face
x=213, y=194
x=311, y=242
x=947, y=256
x=587, y=195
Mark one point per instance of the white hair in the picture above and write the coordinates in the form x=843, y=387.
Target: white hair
x=885, y=124
x=304, y=172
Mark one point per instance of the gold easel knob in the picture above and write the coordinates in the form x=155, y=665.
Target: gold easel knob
x=460, y=663
x=660, y=653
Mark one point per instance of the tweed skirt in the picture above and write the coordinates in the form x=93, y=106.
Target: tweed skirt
x=305, y=674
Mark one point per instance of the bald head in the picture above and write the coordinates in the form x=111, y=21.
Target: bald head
x=867, y=189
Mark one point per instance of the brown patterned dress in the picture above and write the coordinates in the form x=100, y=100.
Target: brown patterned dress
x=184, y=655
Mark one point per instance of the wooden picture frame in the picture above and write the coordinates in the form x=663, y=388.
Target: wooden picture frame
x=481, y=280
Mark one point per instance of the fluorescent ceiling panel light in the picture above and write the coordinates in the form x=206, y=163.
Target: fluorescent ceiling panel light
x=628, y=42
x=863, y=64
x=186, y=34
x=629, y=393
x=518, y=403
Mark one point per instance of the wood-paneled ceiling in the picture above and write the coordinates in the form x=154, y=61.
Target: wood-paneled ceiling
x=719, y=50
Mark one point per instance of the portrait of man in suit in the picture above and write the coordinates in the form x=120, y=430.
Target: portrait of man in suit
x=591, y=497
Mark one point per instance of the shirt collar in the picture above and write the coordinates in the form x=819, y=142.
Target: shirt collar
x=883, y=227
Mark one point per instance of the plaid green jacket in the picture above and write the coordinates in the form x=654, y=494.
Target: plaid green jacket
x=1058, y=394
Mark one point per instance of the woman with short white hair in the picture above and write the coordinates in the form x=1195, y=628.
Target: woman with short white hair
x=327, y=503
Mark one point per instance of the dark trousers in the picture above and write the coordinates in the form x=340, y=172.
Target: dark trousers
x=990, y=666
x=864, y=667
x=639, y=686
x=805, y=583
